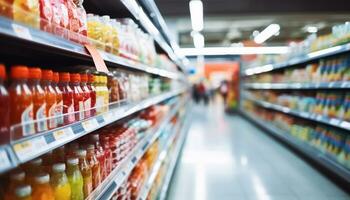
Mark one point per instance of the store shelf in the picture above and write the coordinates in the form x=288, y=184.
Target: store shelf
x=345, y=125
x=111, y=184
x=322, y=158
x=299, y=60
x=20, y=35
x=297, y=86
x=29, y=148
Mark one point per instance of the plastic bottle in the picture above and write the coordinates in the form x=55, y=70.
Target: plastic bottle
x=90, y=85
x=27, y=12
x=86, y=95
x=4, y=109
x=23, y=192
x=21, y=100
x=95, y=30
x=108, y=154
x=107, y=33
x=15, y=180
x=78, y=96
x=68, y=98
x=59, y=182
x=99, y=94
x=95, y=166
x=50, y=96
x=105, y=93
x=41, y=187
x=75, y=179
x=100, y=154
x=59, y=100
x=85, y=171
x=39, y=100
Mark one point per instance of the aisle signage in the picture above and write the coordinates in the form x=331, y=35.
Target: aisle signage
x=97, y=58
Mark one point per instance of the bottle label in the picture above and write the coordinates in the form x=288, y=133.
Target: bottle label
x=41, y=118
x=52, y=116
x=81, y=110
x=59, y=113
x=87, y=107
x=27, y=116
x=70, y=112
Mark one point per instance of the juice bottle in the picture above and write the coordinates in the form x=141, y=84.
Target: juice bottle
x=95, y=30
x=6, y=8
x=95, y=166
x=59, y=155
x=107, y=33
x=27, y=12
x=99, y=94
x=86, y=95
x=90, y=85
x=21, y=99
x=68, y=98
x=100, y=154
x=16, y=179
x=33, y=168
x=46, y=13
x=23, y=192
x=59, y=100
x=85, y=171
x=104, y=92
x=39, y=100
x=50, y=96
x=59, y=182
x=41, y=188
x=4, y=109
x=108, y=154
x=78, y=96
x=75, y=179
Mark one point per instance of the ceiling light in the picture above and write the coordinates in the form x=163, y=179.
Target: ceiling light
x=216, y=51
x=268, y=32
x=196, y=11
x=312, y=29
x=198, y=39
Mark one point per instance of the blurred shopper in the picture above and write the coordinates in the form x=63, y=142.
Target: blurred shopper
x=202, y=93
x=195, y=94
x=224, y=90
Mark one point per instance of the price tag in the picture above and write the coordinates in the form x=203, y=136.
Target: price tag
x=22, y=31
x=63, y=133
x=90, y=124
x=29, y=149
x=98, y=60
x=108, y=117
x=4, y=160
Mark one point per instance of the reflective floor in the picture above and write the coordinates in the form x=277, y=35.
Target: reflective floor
x=227, y=158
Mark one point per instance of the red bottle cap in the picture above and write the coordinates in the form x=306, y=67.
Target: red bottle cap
x=19, y=72
x=34, y=73
x=56, y=77
x=2, y=72
x=91, y=78
x=84, y=78
x=64, y=77
x=75, y=77
x=47, y=75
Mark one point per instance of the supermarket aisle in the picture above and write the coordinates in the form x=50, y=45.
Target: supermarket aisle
x=226, y=158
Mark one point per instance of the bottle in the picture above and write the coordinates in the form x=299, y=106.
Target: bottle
x=105, y=93
x=4, y=109
x=47, y=162
x=39, y=101
x=50, y=96
x=108, y=154
x=100, y=154
x=78, y=96
x=86, y=95
x=33, y=168
x=90, y=85
x=59, y=155
x=27, y=12
x=68, y=98
x=75, y=179
x=41, y=188
x=59, y=100
x=15, y=180
x=94, y=165
x=23, y=192
x=59, y=182
x=21, y=99
x=85, y=171
x=99, y=94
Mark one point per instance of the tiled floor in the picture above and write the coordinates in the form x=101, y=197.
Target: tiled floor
x=227, y=158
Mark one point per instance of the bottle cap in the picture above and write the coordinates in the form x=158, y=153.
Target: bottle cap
x=84, y=78
x=34, y=73
x=56, y=77
x=59, y=167
x=80, y=153
x=23, y=191
x=75, y=78
x=73, y=161
x=91, y=78
x=47, y=75
x=2, y=72
x=42, y=178
x=64, y=77
x=18, y=176
x=19, y=72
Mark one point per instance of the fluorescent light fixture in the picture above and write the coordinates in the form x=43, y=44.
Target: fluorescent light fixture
x=268, y=32
x=216, y=51
x=198, y=39
x=312, y=29
x=196, y=11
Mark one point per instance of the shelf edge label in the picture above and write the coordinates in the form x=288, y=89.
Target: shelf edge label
x=97, y=58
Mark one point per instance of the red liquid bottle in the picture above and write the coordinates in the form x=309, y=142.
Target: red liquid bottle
x=50, y=94
x=95, y=166
x=67, y=96
x=59, y=100
x=78, y=96
x=86, y=95
x=108, y=154
x=91, y=79
x=100, y=154
x=4, y=109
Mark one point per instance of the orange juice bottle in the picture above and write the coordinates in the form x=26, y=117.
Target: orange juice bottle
x=85, y=171
x=27, y=12
x=59, y=100
x=23, y=192
x=21, y=100
x=39, y=100
x=16, y=179
x=50, y=96
x=41, y=188
x=59, y=182
x=94, y=165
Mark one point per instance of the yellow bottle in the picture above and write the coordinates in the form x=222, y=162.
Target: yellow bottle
x=59, y=182
x=23, y=192
x=105, y=93
x=95, y=31
x=99, y=94
x=27, y=12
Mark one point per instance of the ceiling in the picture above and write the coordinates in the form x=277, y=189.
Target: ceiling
x=230, y=22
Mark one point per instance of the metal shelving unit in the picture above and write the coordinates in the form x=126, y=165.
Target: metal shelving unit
x=320, y=157
x=299, y=60
x=297, y=86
